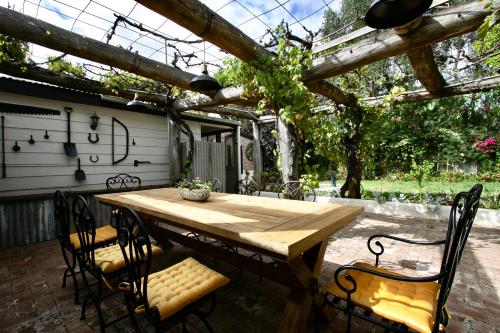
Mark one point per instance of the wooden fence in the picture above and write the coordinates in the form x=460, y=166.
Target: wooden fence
x=209, y=161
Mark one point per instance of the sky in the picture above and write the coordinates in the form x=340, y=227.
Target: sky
x=94, y=18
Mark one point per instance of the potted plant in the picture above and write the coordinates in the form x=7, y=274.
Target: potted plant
x=196, y=190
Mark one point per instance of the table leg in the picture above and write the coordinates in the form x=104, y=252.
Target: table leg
x=298, y=306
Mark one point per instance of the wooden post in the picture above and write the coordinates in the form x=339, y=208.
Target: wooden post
x=257, y=155
x=426, y=69
x=174, y=157
x=286, y=146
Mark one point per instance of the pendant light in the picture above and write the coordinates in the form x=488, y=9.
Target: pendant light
x=135, y=104
x=204, y=82
x=384, y=14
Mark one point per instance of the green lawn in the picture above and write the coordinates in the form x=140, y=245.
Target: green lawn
x=411, y=186
x=490, y=197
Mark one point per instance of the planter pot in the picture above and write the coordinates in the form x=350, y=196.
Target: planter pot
x=194, y=195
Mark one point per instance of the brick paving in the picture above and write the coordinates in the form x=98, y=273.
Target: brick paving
x=32, y=299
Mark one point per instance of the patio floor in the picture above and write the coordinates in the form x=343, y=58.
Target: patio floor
x=32, y=299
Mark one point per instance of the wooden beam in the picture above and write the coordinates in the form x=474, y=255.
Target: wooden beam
x=30, y=29
x=223, y=96
x=469, y=87
x=198, y=18
x=447, y=24
x=426, y=69
x=317, y=48
x=228, y=112
x=204, y=22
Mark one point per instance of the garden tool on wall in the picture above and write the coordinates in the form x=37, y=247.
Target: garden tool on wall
x=19, y=109
x=113, y=121
x=79, y=173
x=69, y=147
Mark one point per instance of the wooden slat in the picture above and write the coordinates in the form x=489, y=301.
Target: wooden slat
x=445, y=25
x=283, y=227
x=356, y=34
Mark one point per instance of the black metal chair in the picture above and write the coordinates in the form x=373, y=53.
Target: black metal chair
x=249, y=187
x=103, y=264
x=123, y=182
x=401, y=303
x=69, y=242
x=296, y=190
x=166, y=297
x=216, y=184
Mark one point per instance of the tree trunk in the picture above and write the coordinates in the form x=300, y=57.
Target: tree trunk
x=351, y=145
x=286, y=147
x=352, y=183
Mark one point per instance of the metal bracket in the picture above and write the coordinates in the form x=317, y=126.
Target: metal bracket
x=96, y=140
x=113, y=140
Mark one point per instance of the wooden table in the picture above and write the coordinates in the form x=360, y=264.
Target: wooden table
x=294, y=233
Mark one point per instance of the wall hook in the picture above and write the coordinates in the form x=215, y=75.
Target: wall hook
x=94, y=160
x=46, y=136
x=133, y=142
x=96, y=140
x=31, y=141
x=16, y=147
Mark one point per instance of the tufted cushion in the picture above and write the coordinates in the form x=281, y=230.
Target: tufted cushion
x=181, y=284
x=410, y=303
x=110, y=258
x=102, y=235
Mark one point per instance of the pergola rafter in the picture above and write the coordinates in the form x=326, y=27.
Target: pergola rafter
x=198, y=18
x=449, y=23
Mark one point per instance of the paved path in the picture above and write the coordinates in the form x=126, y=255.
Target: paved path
x=32, y=300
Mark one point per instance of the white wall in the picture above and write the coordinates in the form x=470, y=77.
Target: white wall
x=44, y=167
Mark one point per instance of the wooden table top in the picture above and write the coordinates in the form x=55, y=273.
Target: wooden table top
x=284, y=227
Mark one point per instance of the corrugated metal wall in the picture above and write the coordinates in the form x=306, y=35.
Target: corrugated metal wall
x=31, y=221
x=209, y=161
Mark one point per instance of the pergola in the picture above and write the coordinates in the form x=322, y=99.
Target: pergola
x=196, y=17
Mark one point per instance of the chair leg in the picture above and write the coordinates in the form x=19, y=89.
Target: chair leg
x=97, y=303
x=203, y=320
x=349, y=317
x=131, y=313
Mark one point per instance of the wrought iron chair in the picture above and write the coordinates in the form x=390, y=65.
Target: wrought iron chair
x=123, y=182
x=103, y=264
x=403, y=303
x=216, y=184
x=166, y=297
x=69, y=242
x=296, y=190
x=249, y=187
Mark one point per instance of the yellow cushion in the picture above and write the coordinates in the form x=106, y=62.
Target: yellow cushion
x=181, y=284
x=410, y=303
x=110, y=259
x=102, y=235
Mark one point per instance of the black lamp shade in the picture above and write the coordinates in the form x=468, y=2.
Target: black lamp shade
x=204, y=82
x=385, y=14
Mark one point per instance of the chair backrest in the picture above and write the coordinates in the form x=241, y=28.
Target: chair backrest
x=463, y=212
x=134, y=242
x=249, y=187
x=85, y=227
x=296, y=190
x=61, y=217
x=123, y=182
x=216, y=184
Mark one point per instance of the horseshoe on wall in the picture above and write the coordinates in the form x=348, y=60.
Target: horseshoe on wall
x=94, y=160
x=96, y=140
x=113, y=121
